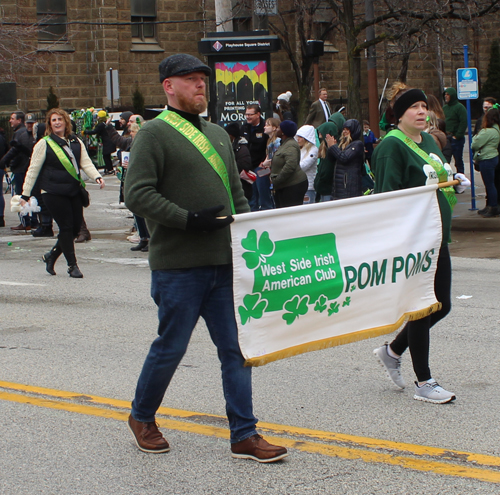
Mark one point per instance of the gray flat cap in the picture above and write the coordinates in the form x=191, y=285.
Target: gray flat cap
x=180, y=64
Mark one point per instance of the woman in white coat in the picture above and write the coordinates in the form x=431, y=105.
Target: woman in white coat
x=306, y=137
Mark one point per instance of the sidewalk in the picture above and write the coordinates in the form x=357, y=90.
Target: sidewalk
x=473, y=236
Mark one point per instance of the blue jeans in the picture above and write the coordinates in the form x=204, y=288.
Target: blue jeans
x=142, y=228
x=311, y=196
x=182, y=296
x=487, y=168
x=457, y=149
x=261, y=196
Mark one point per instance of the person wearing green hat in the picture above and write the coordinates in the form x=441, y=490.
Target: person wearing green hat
x=107, y=146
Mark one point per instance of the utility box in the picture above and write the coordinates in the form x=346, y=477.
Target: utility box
x=241, y=73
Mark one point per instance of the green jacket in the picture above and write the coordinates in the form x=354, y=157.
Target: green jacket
x=396, y=166
x=323, y=182
x=285, y=167
x=485, y=143
x=168, y=177
x=456, y=115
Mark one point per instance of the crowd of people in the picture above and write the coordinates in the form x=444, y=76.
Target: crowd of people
x=183, y=211
x=333, y=154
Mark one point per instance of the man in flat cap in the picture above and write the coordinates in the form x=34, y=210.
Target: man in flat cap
x=183, y=180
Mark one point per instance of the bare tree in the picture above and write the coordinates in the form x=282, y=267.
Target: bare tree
x=398, y=20
x=295, y=25
x=410, y=24
x=19, y=47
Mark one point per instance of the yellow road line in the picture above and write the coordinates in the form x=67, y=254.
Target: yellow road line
x=354, y=451
x=356, y=441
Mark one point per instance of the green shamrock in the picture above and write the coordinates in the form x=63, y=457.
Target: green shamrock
x=346, y=302
x=334, y=308
x=257, y=251
x=295, y=307
x=254, y=307
x=321, y=304
x=353, y=288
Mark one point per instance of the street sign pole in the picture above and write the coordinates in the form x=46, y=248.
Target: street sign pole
x=468, y=90
x=111, y=87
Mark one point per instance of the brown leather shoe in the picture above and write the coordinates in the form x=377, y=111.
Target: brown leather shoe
x=21, y=227
x=148, y=437
x=257, y=449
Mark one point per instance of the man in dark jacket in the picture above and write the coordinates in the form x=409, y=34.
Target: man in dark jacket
x=18, y=158
x=242, y=156
x=253, y=131
x=320, y=110
x=107, y=145
x=488, y=103
x=456, y=123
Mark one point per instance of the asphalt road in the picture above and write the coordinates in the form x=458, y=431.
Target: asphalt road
x=71, y=352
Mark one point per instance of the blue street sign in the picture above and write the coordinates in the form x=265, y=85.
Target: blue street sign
x=467, y=84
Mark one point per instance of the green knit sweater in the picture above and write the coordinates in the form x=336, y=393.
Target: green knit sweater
x=168, y=177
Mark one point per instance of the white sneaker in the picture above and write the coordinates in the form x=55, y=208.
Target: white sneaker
x=134, y=239
x=392, y=365
x=432, y=392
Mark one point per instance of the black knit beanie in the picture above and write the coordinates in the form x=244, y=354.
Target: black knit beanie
x=406, y=100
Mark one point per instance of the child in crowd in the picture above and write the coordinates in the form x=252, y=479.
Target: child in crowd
x=369, y=139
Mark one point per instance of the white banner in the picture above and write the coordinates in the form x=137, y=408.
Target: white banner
x=316, y=276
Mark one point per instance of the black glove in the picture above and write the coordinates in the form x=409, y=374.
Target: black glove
x=206, y=220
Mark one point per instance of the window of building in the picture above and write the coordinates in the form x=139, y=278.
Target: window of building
x=242, y=16
x=51, y=15
x=143, y=12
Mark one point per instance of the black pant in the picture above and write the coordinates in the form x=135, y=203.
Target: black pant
x=291, y=196
x=68, y=214
x=108, y=163
x=415, y=334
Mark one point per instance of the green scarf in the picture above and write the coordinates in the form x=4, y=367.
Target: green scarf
x=441, y=172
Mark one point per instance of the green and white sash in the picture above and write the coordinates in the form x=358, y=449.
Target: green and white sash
x=66, y=162
x=441, y=172
x=202, y=144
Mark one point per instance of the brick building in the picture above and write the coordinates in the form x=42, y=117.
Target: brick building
x=79, y=41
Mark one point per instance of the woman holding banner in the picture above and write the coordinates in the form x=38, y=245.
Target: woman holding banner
x=409, y=157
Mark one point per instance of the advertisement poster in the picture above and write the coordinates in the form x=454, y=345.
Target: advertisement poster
x=239, y=84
